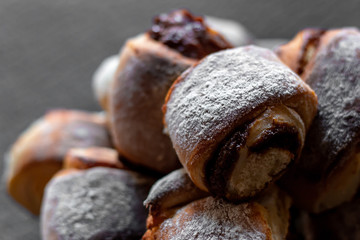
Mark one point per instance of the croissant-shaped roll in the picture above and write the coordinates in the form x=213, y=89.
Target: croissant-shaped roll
x=199, y=216
x=148, y=66
x=84, y=158
x=328, y=172
x=39, y=152
x=237, y=120
x=98, y=203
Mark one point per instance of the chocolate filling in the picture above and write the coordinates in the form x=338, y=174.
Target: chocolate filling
x=280, y=136
x=310, y=43
x=219, y=168
x=187, y=34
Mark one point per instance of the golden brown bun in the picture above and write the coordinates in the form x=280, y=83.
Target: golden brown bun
x=328, y=173
x=145, y=73
x=97, y=203
x=84, y=158
x=38, y=153
x=203, y=217
x=237, y=120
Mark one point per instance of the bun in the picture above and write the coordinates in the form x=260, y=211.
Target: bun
x=237, y=120
x=174, y=190
x=148, y=65
x=204, y=217
x=329, y=169
x=39, y=152
x=98, y=203
x=102, y=80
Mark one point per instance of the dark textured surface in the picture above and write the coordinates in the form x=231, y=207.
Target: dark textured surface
x=81, y=205
x=49, y=49
x=340, y=223
x=335, y=77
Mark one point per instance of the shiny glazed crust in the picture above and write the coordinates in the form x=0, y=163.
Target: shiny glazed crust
x=39, y=152
x=145, y=73
x=226, y=92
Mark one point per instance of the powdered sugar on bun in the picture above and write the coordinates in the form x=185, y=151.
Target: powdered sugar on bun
x=96, y=202
x=224, y=91
x=172, y=190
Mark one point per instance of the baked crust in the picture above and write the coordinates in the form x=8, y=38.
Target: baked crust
x=199, y=216
x=145, y=73
x=39, y=152
x=329, y=168
x=225, y=92
x=97, y=203
x=174, y=190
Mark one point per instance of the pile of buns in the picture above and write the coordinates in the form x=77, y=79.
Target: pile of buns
x=203, y=136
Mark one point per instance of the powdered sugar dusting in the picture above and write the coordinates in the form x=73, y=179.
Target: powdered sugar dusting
x=211, y=218
x=95, y=202
x=335, y=78
x=174, y=189
x=222, y=89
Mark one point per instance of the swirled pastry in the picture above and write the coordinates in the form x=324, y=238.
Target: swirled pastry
x=199, y=216
x=328, y=172
x=148, y=66
x=237, y=120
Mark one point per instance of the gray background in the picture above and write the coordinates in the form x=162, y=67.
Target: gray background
x=49, y=50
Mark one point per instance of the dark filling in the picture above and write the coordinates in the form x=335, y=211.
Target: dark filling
x=280, y=136
x=219, y=168
x=187, y=34
x=311, y=42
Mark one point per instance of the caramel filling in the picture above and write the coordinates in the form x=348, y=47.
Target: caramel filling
x=187, y=34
